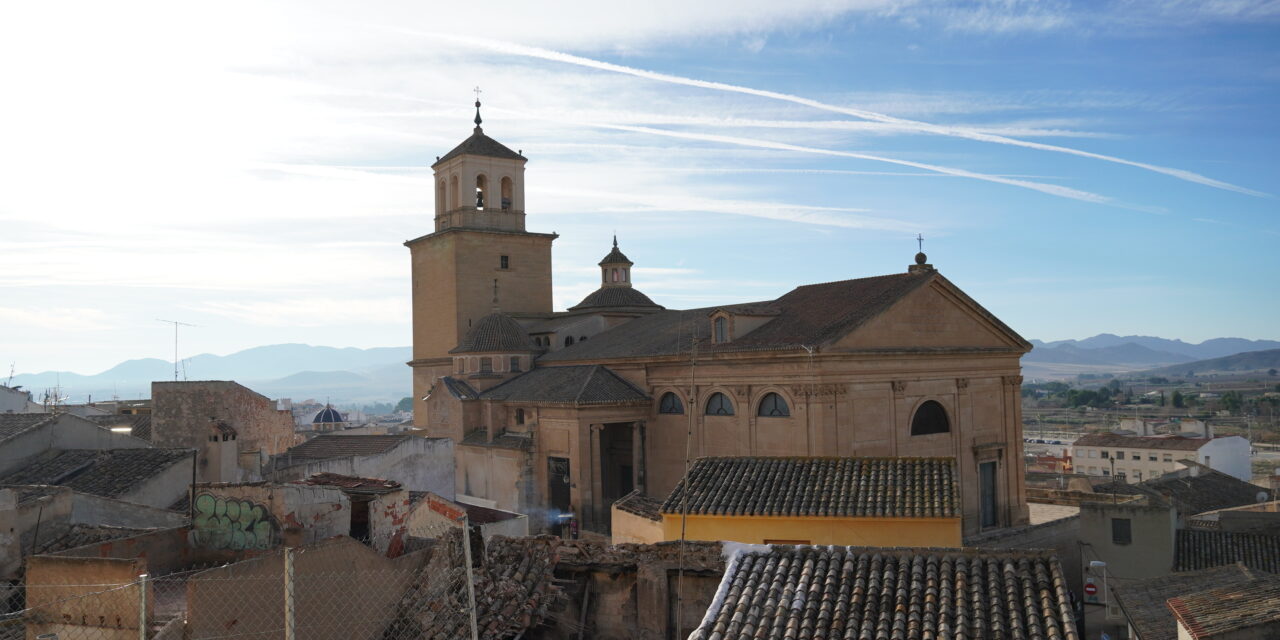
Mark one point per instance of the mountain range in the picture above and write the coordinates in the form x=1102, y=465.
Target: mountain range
x=353, y=376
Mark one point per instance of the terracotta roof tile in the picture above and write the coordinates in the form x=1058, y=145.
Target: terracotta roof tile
x=109, y=473
x=615, y=297
x=833, y=487
x=495, y=332
x=480, y=144
x=1219, y=612
x=639, y=504
x=327, y=446
x=808, y=593
x=1120, y=441
x=1144, y=601
x=354, y=483
x=572, y=385
x=12, y=424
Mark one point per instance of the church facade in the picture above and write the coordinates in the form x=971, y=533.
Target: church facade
x=559, y=414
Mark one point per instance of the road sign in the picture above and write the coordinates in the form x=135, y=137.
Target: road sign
x=1091, y=589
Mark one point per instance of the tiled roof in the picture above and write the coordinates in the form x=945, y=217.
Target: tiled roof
x=12, y=424
x=810, y=315
x=572, y=385
x=459, y=388
x=1144, y=601
x=1218, y=612
x=615, y=256
x=1119, y=441
x=59, y=536
x=639, y=504
x=1193, y=490
x=615, y=297
x=832, y=487
x=31, y=492
x=480, y=144
x=495, y=332
x=327, y=446
x=109, y=473
x=1195, y=549
x=504, y=440
x=808, y=593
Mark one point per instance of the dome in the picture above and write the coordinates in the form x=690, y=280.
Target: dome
x=495, y=332
x=327, y=415
x=615, y=297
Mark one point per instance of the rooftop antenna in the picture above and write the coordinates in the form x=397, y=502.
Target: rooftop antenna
x=176, y=324
x=9, y=382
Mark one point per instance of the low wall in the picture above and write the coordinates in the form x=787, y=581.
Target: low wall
x=59, y=601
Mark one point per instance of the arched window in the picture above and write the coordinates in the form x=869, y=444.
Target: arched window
x=930, y=418
x=626, y=275
x=582, y=338
x=505, y=185
x=455, y=195
x=722, y=330
x=719, y=405
x=615, y=275
x=568, y=341
x=515, y=363
x=670, y=403
x=519, y=416
x=441, y=205
x=773, y=406
x=481, y=184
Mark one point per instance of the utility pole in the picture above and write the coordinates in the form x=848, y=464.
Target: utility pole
x=176, y=324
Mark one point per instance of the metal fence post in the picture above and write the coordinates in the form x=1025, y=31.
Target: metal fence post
x=289, y=628
x=471, y=587
x=142, y=607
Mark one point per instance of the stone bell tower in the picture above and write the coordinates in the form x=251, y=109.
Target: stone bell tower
x=478, y=250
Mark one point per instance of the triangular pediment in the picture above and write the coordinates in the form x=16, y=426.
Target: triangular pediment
x=936, y=316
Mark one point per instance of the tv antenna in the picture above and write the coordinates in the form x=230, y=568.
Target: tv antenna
x=176, y=324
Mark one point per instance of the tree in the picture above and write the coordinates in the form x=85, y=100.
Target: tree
x=1271, y=372
x=1177, y=400
x=1231, y=401
x=405, y=404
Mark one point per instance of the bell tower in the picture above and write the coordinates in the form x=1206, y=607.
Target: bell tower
x=479, y=243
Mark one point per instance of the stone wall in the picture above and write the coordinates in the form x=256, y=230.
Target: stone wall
x=183, y=414
x=418, y=464
x=259, y=516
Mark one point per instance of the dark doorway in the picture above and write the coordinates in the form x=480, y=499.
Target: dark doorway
x=558, y=492
x=616, y=464
x=988, y=515
x=360, y=519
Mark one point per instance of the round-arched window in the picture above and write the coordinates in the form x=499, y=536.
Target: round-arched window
x=719, y=405
x=670, y=403
x=930, y=418
x=773, y=406
x=568, y=341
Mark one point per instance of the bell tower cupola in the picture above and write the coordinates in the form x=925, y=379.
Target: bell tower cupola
x=480, y=184
x=615, y=269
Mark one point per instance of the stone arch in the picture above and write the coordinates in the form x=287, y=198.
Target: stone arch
x=441, y=195
x=671, y=403
x=773, y=403
x=455, y=193
x=930, y=417
x=482, y=190
x=508, y=193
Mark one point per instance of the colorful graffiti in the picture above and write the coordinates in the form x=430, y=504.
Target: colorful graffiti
x=229, y=523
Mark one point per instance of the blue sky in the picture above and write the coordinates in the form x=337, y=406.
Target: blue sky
x=254, y=171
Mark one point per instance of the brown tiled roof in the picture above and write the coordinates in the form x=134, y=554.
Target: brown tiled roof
x=1218, y=612
x=1144, y=601
x=459, y=388
x=59, y=536
x=109, y=473
x=809, y=315
x=572, y=385
x=495, y=332
x=1119, y=441
x=142, y=427
x=1196, y=549
x=639, y=504
x=480, y=144
x=833, y=487
x=794, y=593
x=12, y=424
x=1193, y=490
x=504, y=440
x=615, y=297
x=327, y=446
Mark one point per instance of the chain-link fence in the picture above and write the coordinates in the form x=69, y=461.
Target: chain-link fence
x=437, y=587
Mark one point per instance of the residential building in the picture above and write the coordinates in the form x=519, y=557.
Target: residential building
x=233, y=428
x=24, y=436
x=1138, y=458
x=416, y=463
x=890, y=365
x=871, y=502
x=147, y=476
x=783, y=592
x=1193, y=490
x=17, y=401
x=1246, y=611
x=1144, y=603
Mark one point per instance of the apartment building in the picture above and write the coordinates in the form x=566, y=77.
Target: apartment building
x=1138, y=458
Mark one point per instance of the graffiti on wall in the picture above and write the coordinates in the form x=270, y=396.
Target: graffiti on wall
x=224, y=522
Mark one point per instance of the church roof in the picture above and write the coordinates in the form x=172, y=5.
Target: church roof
x=327, y=415
x=615, y=257
x=808, y=315
x=495, y=332
x=615, y=297
x=480, y=145
x=575, y=385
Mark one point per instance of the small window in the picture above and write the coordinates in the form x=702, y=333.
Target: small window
x=1119, y=455
x=670, y=403
x=519, y=416
x=1106, y=472
x=515, y=363
x=582, y=338
x=1168, y=457
x=568, y=341
x=722, y=330
x=1121, y=531
x=719, y=405
x=930, y=418
x=615, y=275
x=504, y=262
x=1093, y=453
x=773, y=406
x=1151, y=458
x=1106, y=455
x=486, y=365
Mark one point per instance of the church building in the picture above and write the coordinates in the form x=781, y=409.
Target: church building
x=560, y=413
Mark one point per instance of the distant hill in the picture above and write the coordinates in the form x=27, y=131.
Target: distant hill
x=1249, y=361
x=300, y=371
x=1127, y=353
x=1214, y=348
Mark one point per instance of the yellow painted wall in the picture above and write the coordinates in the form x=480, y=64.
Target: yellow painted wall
x=629, y=527
x=865, y=532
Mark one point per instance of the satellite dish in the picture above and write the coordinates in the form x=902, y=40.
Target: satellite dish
x=1262, y=496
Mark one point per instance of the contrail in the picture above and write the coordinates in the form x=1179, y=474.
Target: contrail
x=923, y=127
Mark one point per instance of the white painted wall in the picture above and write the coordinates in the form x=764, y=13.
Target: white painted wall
x=418, y=464
x=67, y=432
x=1229, y=455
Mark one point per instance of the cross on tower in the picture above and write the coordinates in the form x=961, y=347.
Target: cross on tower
x=477, y=92
x=920, y=241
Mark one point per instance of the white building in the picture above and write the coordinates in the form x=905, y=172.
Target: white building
x=17, y=401
x=1138, y=458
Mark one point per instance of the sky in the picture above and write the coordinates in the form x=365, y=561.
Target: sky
x=253, y=169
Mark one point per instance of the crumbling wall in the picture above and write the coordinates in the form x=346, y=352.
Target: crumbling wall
x=257, y=516
x=165, y=551
x=57, y=604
